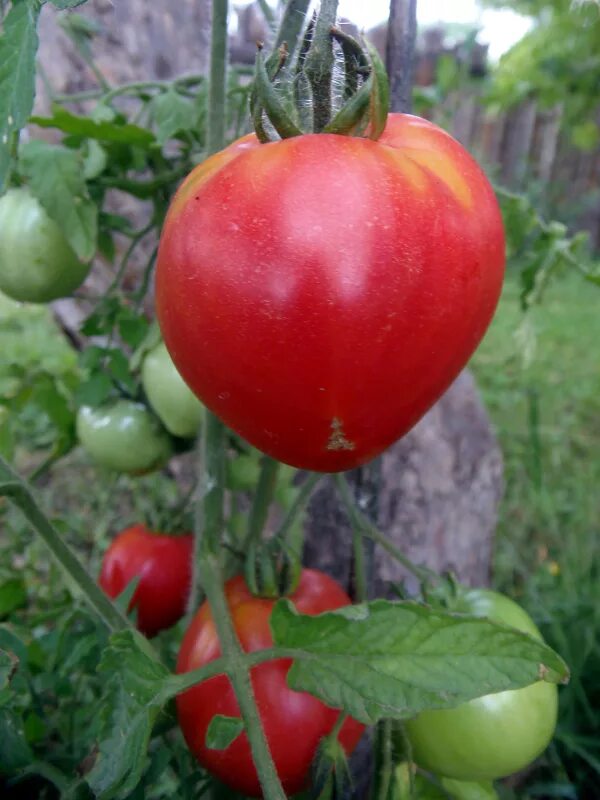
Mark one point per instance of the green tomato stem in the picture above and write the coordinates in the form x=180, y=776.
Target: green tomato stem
x=319, y=64
x=360, y=573
x=301, y=500
x=386, y=766
x=267, y=13
x=18, y=492
x=369, y=529
x=210, y=571
x=291, y=26
x=217, y=81
x=221, y=666
x=263, y=497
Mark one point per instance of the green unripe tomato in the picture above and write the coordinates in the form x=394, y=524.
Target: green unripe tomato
x=241, y=473
x=37, y=264
x=176, y=405
x=495, y=735
x=123, y=436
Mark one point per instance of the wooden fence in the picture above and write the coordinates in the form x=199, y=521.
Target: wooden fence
x=525, y=150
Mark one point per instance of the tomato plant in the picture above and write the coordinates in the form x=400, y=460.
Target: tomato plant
x=321, y=320
x=173, y=401
x=163, y=565
x=37, y=264
x=319, y=284
x=494, y=735
x=294, y=722
x=124, y=436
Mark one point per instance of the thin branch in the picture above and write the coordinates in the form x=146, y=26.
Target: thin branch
x=18, y=492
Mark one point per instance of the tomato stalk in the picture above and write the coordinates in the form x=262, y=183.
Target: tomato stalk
x=304, y=494
x=365, y=95
x=220, y=666
x=319, y=64
x=261, y=502
x=18, y=492
x=360, y=574
x=217, y=80
x=292, y=24
x=368, y=528
x=209, y=517
x=237, y=668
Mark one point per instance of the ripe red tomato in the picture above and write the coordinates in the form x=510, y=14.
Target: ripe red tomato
x=294, y=722
x=164, y=566
x=321, y=292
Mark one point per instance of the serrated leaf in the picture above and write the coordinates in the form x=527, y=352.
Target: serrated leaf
x=172, y=114
x=222, y=731
x=87, y=128
x=18, y=48
x=394, y=659
x=55, y=175
x=13, y=595
x=136, y=693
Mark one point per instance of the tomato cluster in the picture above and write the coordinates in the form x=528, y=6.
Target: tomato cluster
x=126, y=436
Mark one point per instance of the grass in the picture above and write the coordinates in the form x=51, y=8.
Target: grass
x=541, y=383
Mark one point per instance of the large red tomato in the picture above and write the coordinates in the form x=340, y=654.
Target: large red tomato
x=321, y=292
x=164, y=566
x=294, y=722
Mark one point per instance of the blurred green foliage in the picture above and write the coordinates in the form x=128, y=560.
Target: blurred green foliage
x=557, y=63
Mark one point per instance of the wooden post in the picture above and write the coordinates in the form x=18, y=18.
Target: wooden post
x=402, y=34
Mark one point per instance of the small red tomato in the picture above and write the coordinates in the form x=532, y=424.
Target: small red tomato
x=294, y=722
x=320, y=293
x=164, y=566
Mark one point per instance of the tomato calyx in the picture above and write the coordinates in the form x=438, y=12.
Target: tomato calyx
x=294, y=93
x=272, y=569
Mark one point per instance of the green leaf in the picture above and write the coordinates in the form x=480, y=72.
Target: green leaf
x=87, y=128
x=172, y=114
x=136, y=694
x=55, y=175
x=394, y=659
x=586, y=135
x=62, y=4
x=133, y=327
x=118, y=367
x=222, y=731
x=469, y=790
x=13, y=595
x=18, y=48
x=15, y=753
x=95, y=160
x=95, y=390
